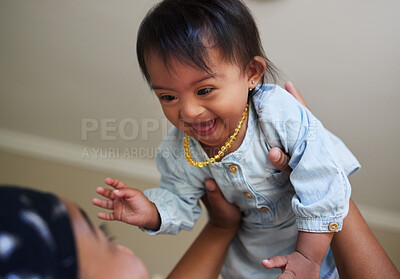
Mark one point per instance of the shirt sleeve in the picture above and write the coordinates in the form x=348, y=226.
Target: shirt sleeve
x=177, y=200
x=346, y=158
x=322, y=190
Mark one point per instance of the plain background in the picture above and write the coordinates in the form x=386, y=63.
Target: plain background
x=68, y=65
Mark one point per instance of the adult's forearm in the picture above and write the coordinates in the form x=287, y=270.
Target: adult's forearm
x=358, y=253
x=205, y=257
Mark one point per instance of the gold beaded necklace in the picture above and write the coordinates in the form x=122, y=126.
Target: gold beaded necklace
x=223, y=149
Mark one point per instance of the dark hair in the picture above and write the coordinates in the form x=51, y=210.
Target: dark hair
x=183, y=29
x=37, y=227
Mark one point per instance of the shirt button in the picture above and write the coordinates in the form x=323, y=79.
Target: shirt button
x=233, y=168
x=248, y=195
x=333, y=226
x=264, y=209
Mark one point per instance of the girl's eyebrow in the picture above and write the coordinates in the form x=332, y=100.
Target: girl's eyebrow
x=206, y=77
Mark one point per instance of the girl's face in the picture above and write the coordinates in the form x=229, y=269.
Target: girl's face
x=206, y=107
x=98, y=257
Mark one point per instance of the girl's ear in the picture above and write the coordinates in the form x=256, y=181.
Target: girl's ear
x=255, y=71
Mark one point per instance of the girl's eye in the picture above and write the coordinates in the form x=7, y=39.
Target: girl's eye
x=167, y=98
x=204, y=91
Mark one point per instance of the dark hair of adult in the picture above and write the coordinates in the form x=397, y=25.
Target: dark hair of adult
x=36, y=236
x=184, y=29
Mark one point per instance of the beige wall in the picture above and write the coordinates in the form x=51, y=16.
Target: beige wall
x=62, y=62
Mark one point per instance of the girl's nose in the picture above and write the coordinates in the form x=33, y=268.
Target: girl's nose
x=125, y=249
x=190, y=111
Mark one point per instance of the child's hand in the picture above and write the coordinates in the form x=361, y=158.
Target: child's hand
x=294, y=265
x=128, y=205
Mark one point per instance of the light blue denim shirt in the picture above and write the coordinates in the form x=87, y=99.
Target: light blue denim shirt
x=274, y=205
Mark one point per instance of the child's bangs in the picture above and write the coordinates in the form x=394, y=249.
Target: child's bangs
x=185, y=33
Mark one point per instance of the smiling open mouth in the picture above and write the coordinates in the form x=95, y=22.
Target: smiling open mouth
x=204, y=128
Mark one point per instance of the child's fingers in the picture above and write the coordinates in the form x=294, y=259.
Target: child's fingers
x=117, y=184
x=105, y=216
x=107, y=193
x=279, y=262
x=275, y=262
x=125, y=193
x=106, y=204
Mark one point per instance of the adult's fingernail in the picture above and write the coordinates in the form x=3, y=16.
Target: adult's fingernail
x=275, y=155
x=210, y=186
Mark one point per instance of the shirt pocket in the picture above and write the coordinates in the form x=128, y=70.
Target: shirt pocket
x=279, y=178
x=271, y=187
x=274, y=195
